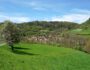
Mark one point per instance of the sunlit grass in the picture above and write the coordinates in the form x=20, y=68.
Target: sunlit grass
x=42, y=57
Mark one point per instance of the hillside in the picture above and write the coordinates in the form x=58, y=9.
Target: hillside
x=42, y=57
x=67, y=34
x=86, y=24
x=45, y=28
x=83, y=29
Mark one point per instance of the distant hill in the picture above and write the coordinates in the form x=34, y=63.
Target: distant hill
x=44, y=27
x=84, y=29
x=86, y=24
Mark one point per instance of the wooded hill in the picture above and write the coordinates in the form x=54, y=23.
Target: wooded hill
x=43, y=27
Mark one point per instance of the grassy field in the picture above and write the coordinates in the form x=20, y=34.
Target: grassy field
x=42, y=57
x=81, y=31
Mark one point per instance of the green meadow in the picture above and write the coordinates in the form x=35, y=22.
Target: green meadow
x=42, y=57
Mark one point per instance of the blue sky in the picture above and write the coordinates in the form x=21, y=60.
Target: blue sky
x=44, y=10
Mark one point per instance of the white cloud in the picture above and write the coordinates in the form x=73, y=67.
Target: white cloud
x=19, y=19
x=72, y=17
x=83, y=11
x=36, y=5
x=14, y=18
x=76, y=15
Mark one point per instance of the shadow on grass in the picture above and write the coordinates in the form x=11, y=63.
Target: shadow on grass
x=18, y=50
x=22, y=52
x=21, y=48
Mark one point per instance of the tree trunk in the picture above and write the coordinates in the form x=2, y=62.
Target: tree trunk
x=12, y=47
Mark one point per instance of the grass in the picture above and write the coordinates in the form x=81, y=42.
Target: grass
x=42, y=57
x=81, y=31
